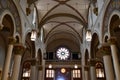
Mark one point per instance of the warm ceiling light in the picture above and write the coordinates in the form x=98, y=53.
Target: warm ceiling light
x=50, y=65
x=75, y=66
x=63, y=70
x=88, y=35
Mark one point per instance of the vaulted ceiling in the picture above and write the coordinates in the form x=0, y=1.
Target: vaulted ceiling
x=63, y=20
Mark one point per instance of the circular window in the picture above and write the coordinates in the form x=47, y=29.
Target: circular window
x=62, y=53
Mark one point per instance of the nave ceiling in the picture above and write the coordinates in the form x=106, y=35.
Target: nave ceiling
x=63, y=20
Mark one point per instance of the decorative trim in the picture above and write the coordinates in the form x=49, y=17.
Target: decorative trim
x=112, y=40
x=40, y=67
x=92, y=62
x=86, y=68
x=11, y=40
x=33, y=61
x=105, y=50
x=95, y=10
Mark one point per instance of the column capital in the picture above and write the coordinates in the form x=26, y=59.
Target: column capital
x=112, y=40
x=40, y=67
x=86, y=68
x=33, y=61
x=11, y=40
x=104, y=50
x=92, y=62
x=19, y=49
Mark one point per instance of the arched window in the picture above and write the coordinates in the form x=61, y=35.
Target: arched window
x=26, y=71
x=99, y=70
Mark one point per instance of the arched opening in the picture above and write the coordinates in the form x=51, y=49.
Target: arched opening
x=26, y=71
x=115, y=31
x=7, y=30
x=106, y=39
x=86, y=57
x=26, y=59
x=39, y=57
x=94, y=45
x=100, y=71
x=8, y=25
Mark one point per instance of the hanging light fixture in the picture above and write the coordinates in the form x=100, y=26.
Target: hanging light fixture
x=34, y=31
x=88, y=35
x=33, y=35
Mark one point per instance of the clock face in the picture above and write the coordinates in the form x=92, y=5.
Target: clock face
x=62, y=53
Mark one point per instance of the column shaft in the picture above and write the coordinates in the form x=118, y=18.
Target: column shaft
x=33, y=73
x=92, y=73
x=108, y=67
x=40, y=72
x=115, y=61
x=11, y=41
x=7, y=62
x=16, y=67
x=18, y=51
x=86, y=75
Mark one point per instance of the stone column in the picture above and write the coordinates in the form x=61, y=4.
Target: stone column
x=43, y=69
x=105, y=51
x=8, y=58
x=86, y=73
x=33, y=75
x=18, y=51
x=112, y=42
x=92, y=69
x=40, y=72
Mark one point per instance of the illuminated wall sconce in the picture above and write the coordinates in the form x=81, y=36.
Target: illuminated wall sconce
x=33, y=35
x=88, y=35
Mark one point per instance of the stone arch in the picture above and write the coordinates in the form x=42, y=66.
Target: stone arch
x=106, y=39
x=94, y=45
x=114, y=24
x=7, y=22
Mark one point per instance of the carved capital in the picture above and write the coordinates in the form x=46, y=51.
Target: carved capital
x=104, y=50
x=19, y=49
x=112, y=40
x=92, y=62
x=95, y=10
x=28, y=11
x=86, y=68
x=40, y=67
x=33, y=61
x=11, y=40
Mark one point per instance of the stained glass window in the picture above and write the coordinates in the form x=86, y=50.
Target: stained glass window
x=63, y=53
